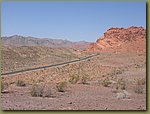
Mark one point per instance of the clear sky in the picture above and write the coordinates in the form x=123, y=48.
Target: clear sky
x=75, y=21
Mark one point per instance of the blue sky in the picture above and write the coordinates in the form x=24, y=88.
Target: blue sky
x=75, y=21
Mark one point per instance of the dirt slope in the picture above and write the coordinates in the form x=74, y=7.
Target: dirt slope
x=16, y=58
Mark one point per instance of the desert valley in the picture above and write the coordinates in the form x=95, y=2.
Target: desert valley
x=113, y=78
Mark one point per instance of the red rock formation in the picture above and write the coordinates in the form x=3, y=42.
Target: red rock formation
x=121, y=39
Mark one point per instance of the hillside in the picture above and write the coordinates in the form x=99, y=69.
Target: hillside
x=22, y=57
x=132, y=39
x=17, y=40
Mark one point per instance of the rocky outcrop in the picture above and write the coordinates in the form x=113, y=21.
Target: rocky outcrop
x=121, y=39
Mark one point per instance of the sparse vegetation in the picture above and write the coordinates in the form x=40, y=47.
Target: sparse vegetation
x=29, y=55
x=138, y=89
x=47, y=92
x=106, y=82
x=114, y=69
x=40, y=80
x=84, y=80
x=141, y=81
x=139, y=86
x=20, y=83
x=118, y=71
x=61, y=86
x=74, y=79
x=121, y=84
x=4, y=85
x=37, y=90
x=40, y=90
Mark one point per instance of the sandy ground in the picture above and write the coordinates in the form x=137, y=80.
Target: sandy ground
x=77, y=97
x=90, y=96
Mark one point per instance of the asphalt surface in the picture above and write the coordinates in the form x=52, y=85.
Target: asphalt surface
x=53, y=65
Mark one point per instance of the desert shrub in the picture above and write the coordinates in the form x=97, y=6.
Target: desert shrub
x=106, y=82
x=2, y=78
x=40, y=80
x=118, y=71
x=141, y=81
x=61, y=86
x=84, y=80
x=122, y=84
x=37, y=90
x=74, y=79
x=4, y=85
x=47, y=92
x=20, y=83
x=40, y=90
x=117, y=86
x=139, y=88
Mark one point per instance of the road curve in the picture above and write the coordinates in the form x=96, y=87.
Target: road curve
x=59, y=64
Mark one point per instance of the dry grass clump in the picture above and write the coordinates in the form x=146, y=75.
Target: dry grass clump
x=61, y=86
x=74, y=79
x=37, y=90
x=139, y=86
x=41, y=90
x=141, y=81
x=4, y=85
x=84, y=80
x=106, y=82
x=114, y=72
x=81, y=78
x=48, y=91
x=114, y=83
x=20, y=83
x=40, y=80
x=121, y=84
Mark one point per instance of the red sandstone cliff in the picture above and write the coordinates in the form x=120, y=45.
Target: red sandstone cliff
x=132, y=39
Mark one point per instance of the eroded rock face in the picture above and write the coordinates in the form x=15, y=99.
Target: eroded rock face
x=121, y=39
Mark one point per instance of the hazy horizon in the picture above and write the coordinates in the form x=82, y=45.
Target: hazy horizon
x=73, y=21
x=46, y=38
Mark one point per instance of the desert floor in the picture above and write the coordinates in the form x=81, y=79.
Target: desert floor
x=109, y=81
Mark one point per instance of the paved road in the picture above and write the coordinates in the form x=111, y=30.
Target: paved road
x=54, y=65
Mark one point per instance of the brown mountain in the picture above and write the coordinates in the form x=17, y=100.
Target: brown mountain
x=132, y=39
x=17, y=41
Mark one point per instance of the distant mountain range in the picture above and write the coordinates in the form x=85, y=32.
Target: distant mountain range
x=114, y=40
x=17, y=40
